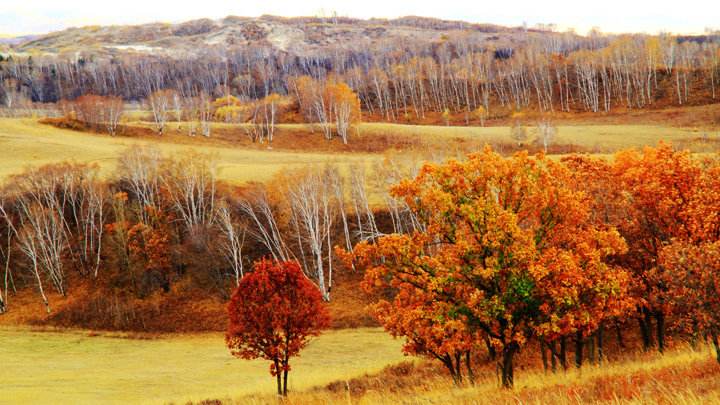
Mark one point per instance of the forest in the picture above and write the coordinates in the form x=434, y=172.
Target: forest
x=400, y=81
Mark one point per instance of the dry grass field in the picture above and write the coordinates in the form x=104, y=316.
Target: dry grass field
x=682, y=376
x=75, y=367
x=25, y=142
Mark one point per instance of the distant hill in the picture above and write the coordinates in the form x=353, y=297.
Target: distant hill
x=300, y=35
x=13, y=41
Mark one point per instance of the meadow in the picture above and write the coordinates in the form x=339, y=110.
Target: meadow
x=25, y=142
x=77, y=367
x=682, y=376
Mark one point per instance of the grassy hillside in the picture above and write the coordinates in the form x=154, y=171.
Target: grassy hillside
x=681, y=376
x=300, y=35
x=592, y=138
x=74, y=367
x=24, y=142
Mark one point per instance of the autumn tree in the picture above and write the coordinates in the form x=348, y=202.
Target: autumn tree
x=481, y=113
x=191, y=186
x=314, y=205
x=693, y=280
x=99, y=112
x=519, y=134
x=149, y=251
x=659, y=186
x=273, y=314
x=345, y=107
x=546, y=132
x=328, y=102
x=160, y=103
x=229, y=109
x=232, y=240
x=139, y=172
x=499, y=236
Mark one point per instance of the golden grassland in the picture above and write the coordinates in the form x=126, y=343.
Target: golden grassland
x=77, y=367
x=681, y=376
x=595, y=138
x=24, y=142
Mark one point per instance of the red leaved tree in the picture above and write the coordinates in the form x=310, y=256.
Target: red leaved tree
x=273, y=313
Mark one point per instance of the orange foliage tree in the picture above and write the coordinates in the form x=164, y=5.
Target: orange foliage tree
x=693, y=283
x=273, y=313
x=328, y=102
x=690, y=265
x=506, y=251
x=149, y=247
x=345, y=107
x=98, y=112
x=659, y=188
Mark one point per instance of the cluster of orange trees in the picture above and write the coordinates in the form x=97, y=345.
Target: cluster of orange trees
x=513, y=249
x=330, y=104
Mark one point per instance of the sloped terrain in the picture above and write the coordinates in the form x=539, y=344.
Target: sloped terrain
x=293, y=35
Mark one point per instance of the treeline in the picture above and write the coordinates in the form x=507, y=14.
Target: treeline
x=506, y=251
x=161, y=224
x=331, y=104
x=405, y=80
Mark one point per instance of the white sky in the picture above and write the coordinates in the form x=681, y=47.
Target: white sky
x=679, y=16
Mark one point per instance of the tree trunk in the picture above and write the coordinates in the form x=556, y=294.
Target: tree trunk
x=277, y=377
x=492, y=354
x=578, y=349
x=507, y=365
x=717, y=347
x=645, y=332
x=563, y=353
x=468, y=364
x=543, y=355
x=455, y=373
x=618, y=334
x=591, y=348
x=660, y=326
x=600, y=344
x=553, y=356
x=285, y=378
x=458, y=368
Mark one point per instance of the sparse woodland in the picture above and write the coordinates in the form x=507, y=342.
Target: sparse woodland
x=394, y=81
x=466, y=260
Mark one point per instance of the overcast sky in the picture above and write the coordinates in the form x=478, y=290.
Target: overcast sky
x=686, y=16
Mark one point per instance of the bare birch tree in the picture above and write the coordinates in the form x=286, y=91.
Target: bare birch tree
x=161, y=104
x=313, y=202
x=139, y=172
x=546, y=132
x=233, y=240
x=264, y=225
x=191, y=185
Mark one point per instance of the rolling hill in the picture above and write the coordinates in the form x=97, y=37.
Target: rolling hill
x=300, y=35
